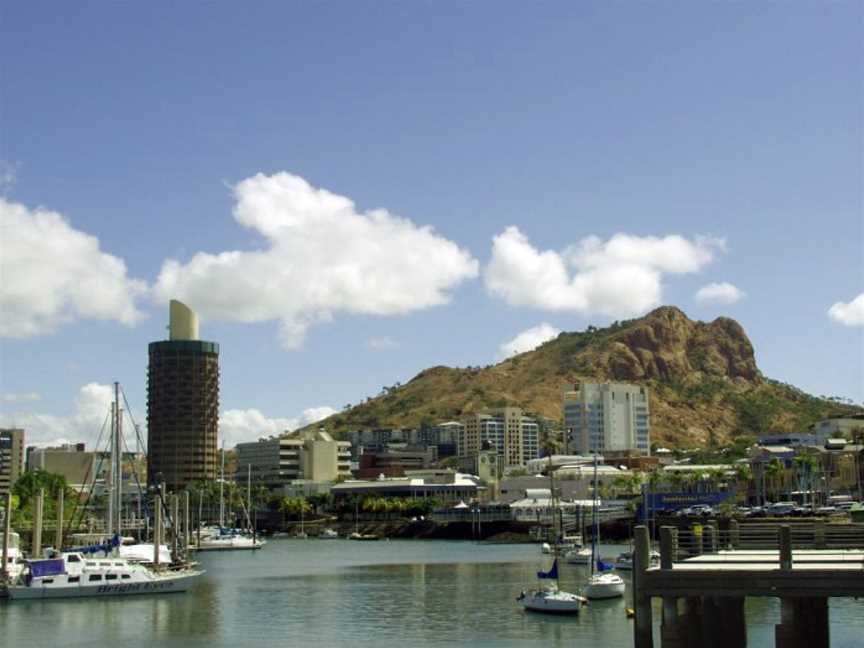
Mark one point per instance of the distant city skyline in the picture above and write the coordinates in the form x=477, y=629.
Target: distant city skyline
x=349, y=195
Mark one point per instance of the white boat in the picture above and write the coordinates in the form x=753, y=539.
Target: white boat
x=229, y=542
x=565, y=544
x=600, y=585
x=548, y=597
x=604, y=586
x=546, y=548
x=624, y=561
x=580, y=556
x=551, y=600
x=15, y=559
x=74, y=575
x=328, y=534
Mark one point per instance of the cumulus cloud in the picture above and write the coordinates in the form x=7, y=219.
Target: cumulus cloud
x=622, y=276
x=322, y=256
x=528, y=340
x=240, y=426
x=21, y=397
x=720, y=293
x=53, y=274
x=848, y=313
x=92, y=406
x=382, y=344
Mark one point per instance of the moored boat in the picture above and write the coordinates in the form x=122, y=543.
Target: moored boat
x=75, y=575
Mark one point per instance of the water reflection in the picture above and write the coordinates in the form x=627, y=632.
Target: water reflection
x=359, y=594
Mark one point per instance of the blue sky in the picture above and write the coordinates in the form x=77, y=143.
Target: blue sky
x=721, y=142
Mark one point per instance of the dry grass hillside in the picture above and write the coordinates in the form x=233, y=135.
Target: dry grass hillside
x=705, y=385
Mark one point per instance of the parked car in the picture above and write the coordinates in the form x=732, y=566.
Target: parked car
x=780, y=508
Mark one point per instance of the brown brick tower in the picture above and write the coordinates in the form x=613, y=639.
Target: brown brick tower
x=182, y=404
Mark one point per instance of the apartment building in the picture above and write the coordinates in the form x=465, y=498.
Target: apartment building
x=607, y=417
x=514, y=436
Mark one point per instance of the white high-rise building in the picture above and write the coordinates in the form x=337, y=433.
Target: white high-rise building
x=607, y=417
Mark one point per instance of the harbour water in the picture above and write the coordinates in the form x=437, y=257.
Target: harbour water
x=382, y=594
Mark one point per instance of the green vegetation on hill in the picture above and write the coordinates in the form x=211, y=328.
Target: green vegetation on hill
x=705, y=385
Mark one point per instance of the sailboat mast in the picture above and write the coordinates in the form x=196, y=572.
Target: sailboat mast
x=553, y=500
x=109, y=480
x=118, y=442
x=595, y=521
x=221, y=490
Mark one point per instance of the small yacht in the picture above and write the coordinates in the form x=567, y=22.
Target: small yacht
x=551, y=600
x=624, y=561
x=229, y=541
x=604, y=586
x=328, y=534
x=77, y=575
x=15, y=562
x=578, y=556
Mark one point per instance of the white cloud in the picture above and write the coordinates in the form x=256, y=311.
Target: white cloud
x=382, y=344
x=239, y=426
x=848, y=313
x=21, y=397
x=92, y=406
x=720, y=293
x=619, y=277
x=53, y=274
x=321, y=257
x=528, y=340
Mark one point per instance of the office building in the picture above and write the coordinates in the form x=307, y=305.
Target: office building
x=182, y=404
x=312, y=456
x=11, y=457
x=607, y=417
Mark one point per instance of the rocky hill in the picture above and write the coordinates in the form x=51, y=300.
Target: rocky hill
x=705, y=385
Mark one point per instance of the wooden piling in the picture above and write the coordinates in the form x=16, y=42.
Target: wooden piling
x=643, y=636
x=36, y=546
x=58, y=534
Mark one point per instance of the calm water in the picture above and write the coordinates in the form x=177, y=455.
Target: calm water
x=383, y=594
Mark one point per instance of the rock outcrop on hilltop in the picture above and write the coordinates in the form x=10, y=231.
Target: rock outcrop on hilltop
x=704, y=381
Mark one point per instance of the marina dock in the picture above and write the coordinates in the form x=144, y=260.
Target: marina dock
x=703, y=583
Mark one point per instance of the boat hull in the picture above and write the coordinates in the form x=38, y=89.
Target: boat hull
x=607, y=589
x=560, y=603
x=160, y=586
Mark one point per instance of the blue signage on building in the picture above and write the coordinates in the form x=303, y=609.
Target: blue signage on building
x=669, y=502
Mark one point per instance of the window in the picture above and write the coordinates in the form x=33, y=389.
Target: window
x=73, y=558
x=110, y=576
x=47, y=581
x=95, y=577
x=125, y=576
x=73, y=579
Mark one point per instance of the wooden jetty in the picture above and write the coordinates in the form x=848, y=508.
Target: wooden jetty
x=703, y=592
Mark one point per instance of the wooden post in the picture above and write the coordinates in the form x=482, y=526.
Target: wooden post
x=785, y=540
x=667, y=547
x=709, y=539
x=734, y=534
x=803, y=623
x=157, y=527
x=58, y=535
x=734, y=625
x=36, y=546
x=7, y=531
x=643, y=636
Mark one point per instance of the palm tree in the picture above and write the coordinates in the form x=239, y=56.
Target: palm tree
x=804, y=468
x=773, y=471
x=743, y=476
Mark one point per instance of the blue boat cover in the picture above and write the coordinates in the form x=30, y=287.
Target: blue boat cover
x=603, y=566
x=552, y=573
x=51, y=567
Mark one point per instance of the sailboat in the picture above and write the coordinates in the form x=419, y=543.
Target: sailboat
x=601, y=584
x=78, y=574
x=302, y=532
x=222, y=539
x=548, y=596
